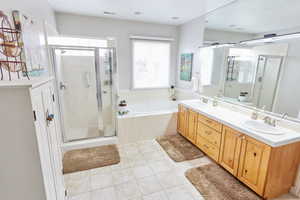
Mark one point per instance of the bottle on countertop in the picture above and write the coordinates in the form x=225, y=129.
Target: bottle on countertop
x=123, y=110
x=172, y=92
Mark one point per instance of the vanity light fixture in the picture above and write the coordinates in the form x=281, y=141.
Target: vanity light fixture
x=218, y=45
x=138, y=13
x=272, y=39
x=109, y=13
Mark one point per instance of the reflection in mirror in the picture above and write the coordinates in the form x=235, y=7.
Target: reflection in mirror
x=252, y=74
x=258, y=74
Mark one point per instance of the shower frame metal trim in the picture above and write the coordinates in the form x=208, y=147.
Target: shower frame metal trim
x=98, y=82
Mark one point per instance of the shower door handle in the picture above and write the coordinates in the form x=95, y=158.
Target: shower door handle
x=62, y=86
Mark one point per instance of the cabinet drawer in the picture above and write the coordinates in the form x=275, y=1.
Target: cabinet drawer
x=209, y=122
x=209, y=134
x=208, y=148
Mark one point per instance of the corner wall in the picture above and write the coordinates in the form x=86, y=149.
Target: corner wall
x=191, y=37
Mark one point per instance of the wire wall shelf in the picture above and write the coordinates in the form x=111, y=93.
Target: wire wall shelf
x=12, y=64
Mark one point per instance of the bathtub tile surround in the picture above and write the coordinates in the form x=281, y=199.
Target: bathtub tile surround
x=149, y=126
x=149, y=108
x=137, y=178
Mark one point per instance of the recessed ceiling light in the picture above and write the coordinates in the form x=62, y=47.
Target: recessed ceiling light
x=175, y=18
x=138, y=13
x=108, y=13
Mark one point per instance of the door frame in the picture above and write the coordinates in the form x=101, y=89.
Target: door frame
x=98, y=82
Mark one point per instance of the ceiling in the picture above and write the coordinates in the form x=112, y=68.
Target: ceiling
x=256, y=16
x=173, y=12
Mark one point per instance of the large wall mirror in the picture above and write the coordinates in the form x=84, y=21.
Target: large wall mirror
x=243, y=62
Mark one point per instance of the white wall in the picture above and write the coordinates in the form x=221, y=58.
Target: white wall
x=121, y=30
x=191, y=38
x=225, y=36
x=38, y=9
x=288, y=96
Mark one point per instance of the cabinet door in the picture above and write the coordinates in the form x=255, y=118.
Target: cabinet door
x=44, y=147
x=253, y=164
x=192, y=125
x=54, y=139
x=230, y=150
x=182, y=120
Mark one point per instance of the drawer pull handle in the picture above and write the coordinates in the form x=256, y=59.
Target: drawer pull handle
x=246, y=171
x=254, y=154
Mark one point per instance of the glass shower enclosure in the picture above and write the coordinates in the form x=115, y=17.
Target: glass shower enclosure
x=86, y=90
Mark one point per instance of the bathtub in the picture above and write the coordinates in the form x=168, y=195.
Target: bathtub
x=148, y=120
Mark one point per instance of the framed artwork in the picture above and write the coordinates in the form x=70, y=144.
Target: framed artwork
x=186, y=66
x=34, y=40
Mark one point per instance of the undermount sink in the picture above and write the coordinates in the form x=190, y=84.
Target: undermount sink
x=262, y=127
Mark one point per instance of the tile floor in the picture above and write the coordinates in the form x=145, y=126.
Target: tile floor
x=144, y=173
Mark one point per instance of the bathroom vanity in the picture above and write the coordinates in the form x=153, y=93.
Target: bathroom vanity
x=265, y=162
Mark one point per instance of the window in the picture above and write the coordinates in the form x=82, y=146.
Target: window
x=151, y=64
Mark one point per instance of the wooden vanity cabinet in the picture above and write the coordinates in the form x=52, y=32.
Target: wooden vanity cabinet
x=269, y=171
x=187, y=123
x=253, y=164
x=230, y=150
x=182, y=120
x=192, y=126
x=208, y=138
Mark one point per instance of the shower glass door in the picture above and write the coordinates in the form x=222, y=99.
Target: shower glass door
x=84, y=103
x=105, y=77
x=268, y=71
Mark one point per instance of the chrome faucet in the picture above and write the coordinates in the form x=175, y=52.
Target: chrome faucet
x=254, y=114
x=215, y=102
x=204, y=100
x=267, y=119
x=270, y=121
x=284, y=115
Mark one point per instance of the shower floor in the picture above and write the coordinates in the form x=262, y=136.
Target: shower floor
x=83, y=133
